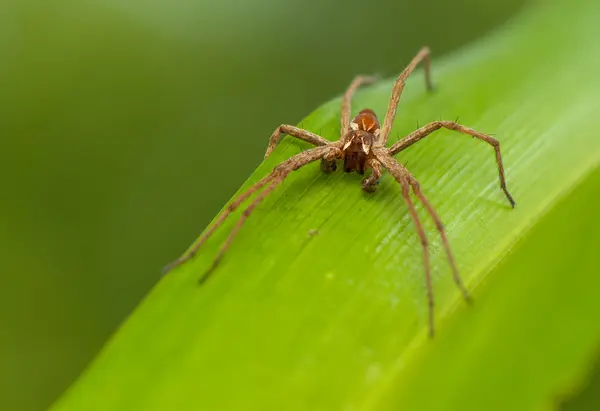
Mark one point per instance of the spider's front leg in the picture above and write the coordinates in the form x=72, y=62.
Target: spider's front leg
x=299, y=133
x=369, y=184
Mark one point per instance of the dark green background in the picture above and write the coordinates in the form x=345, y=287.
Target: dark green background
x=125, y=126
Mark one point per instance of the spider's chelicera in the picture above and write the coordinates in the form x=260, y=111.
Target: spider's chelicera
x=362, y=146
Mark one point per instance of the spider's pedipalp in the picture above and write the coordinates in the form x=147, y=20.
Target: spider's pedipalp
x=427, y=129
x=369, y=184
x=328, y=161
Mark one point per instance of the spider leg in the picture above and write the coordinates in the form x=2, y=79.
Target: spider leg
x=299, y=133
x=230, y=209
x=427, y=129
x=291, y=164
x=259, y=198
x=425, y=247
x=403, y=177
x=356, y=83
x=422, y=55
x=440, y=227
x=278, y=175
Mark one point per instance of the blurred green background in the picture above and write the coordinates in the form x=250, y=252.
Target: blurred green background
x=115, y=120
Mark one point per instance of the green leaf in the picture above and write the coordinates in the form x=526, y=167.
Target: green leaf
x=337, y=320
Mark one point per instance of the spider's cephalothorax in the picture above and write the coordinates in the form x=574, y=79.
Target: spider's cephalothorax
x=356, y=151
x=361, y=146
x=359, y=141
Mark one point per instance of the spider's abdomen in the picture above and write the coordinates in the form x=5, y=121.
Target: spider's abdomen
x=366, y=120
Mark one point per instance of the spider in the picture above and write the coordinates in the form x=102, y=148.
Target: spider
x=362, y=146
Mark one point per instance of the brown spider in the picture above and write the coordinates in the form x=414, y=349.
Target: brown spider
x=362, y=146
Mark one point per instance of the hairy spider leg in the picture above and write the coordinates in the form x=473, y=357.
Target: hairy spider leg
x=440, y=227
x=427, y=129
x=276, y=176
x=299, y=133
x=402, y=176
x=233, y=233
x=423, y=55
x=230, y=209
